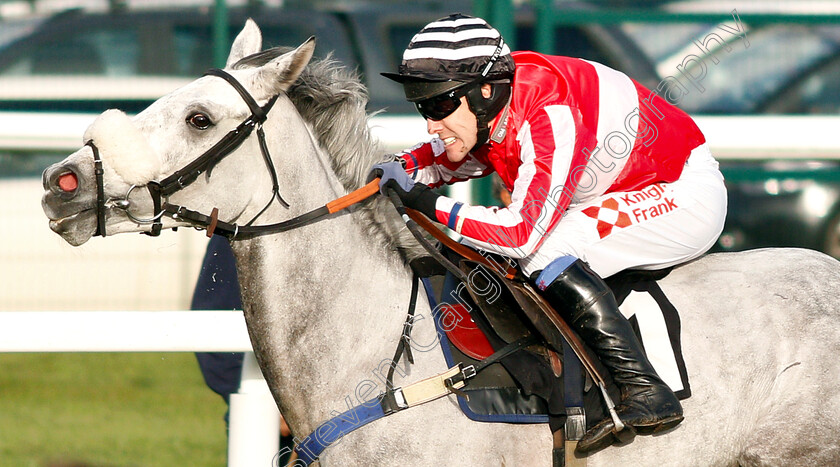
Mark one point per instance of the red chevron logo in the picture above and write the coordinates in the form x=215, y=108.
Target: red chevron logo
x=608, y=216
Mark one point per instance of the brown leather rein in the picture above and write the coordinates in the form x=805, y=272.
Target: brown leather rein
x=467, y=253
x=233, y=231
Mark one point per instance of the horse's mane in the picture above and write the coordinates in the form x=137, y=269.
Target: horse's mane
x=332, y=99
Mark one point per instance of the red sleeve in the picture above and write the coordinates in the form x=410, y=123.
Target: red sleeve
x=427, y=163
x=551, y=142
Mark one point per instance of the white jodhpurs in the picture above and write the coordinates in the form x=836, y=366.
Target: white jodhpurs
x=658, y=226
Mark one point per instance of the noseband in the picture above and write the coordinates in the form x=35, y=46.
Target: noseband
x=160, y=191
x=99, y=173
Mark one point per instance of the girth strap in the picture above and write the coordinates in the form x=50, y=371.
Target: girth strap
x=472, y=370
x=427, y=390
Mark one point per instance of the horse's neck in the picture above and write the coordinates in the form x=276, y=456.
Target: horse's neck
x=322, y=311
x=324, y=305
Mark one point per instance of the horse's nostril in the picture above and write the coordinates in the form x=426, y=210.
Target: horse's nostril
x=68, y=182
x=62, y=181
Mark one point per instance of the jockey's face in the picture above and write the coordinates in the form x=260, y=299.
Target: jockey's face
x=458, y=130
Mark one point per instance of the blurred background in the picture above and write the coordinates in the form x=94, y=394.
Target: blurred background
x=762, y=78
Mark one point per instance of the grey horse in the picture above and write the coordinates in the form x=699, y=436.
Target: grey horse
x=325, y=303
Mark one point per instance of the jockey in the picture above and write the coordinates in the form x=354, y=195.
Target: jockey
x=604, y=176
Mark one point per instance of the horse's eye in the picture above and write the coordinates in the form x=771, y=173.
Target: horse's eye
x=200, y=121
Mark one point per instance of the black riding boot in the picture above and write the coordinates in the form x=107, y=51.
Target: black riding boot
x=647, y=404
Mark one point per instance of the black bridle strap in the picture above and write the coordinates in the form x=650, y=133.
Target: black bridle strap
x=154, y=192
x=275, y=184
x=206, y=161
x=259, y=113
x=189, y=173
x=232, y=140
x=98, y=171
x=270, y=165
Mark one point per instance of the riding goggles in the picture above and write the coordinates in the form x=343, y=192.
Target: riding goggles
x=441, y=106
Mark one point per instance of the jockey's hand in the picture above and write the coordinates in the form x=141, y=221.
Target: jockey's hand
x=414, y=195
x=392, y=175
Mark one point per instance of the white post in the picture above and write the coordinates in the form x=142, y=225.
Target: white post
x=254, y=431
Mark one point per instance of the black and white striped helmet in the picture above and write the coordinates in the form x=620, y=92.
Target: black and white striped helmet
x=450, y=52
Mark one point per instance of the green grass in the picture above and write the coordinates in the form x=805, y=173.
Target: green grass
x=108, y=409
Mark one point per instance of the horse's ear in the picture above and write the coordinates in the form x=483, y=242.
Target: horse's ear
x=280, y=73
x=247, y=42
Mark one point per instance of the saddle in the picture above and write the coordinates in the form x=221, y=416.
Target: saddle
x=536, y=383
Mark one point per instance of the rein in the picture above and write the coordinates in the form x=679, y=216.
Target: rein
x=213, y=225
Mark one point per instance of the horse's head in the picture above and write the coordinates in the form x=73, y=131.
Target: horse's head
x=129, y=167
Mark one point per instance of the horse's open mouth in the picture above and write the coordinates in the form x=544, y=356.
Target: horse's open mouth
x=76, y=228
x=58, y=225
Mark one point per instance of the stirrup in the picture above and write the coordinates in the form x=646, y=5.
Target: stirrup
x=604, y=438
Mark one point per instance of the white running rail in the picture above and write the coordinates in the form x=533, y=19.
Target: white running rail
x=254, y=429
